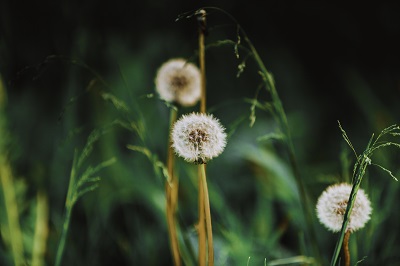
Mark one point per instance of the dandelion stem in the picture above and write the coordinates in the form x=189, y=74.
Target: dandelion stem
x=201, y=227
x=171, y=189
x=346, y=251
x=202, y=23
x=201, y=18
x=208, y=216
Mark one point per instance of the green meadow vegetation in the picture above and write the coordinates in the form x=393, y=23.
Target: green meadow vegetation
x=90, y=173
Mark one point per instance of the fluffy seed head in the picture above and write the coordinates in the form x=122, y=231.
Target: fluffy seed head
x=198, y=137
x=179, y=81
x=332, y=204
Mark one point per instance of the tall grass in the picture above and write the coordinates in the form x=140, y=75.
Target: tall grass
x=278, y=112
x=80, y=183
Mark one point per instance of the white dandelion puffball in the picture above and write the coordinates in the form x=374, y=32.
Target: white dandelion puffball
x=179, y=81
x=332, y=204
x=198, y=137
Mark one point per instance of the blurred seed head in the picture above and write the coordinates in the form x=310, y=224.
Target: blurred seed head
x=332, y=204
x=201, y=20
x=179, y=81
x=198, y=137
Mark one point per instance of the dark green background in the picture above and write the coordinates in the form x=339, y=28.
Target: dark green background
x=330, y=62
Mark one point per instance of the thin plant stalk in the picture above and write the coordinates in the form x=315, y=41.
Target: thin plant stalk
x=63, y=239
x=41, y=230
x=201, y=227
x=171, y=189
x=201, y=17
x=208, y=215
x=67, y=218
x=202, y=25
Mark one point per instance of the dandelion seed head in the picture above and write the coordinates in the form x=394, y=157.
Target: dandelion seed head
x=332, y=204
x=198, y=137
x=179, y=81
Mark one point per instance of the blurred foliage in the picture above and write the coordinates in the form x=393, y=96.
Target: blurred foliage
x=70, y=68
